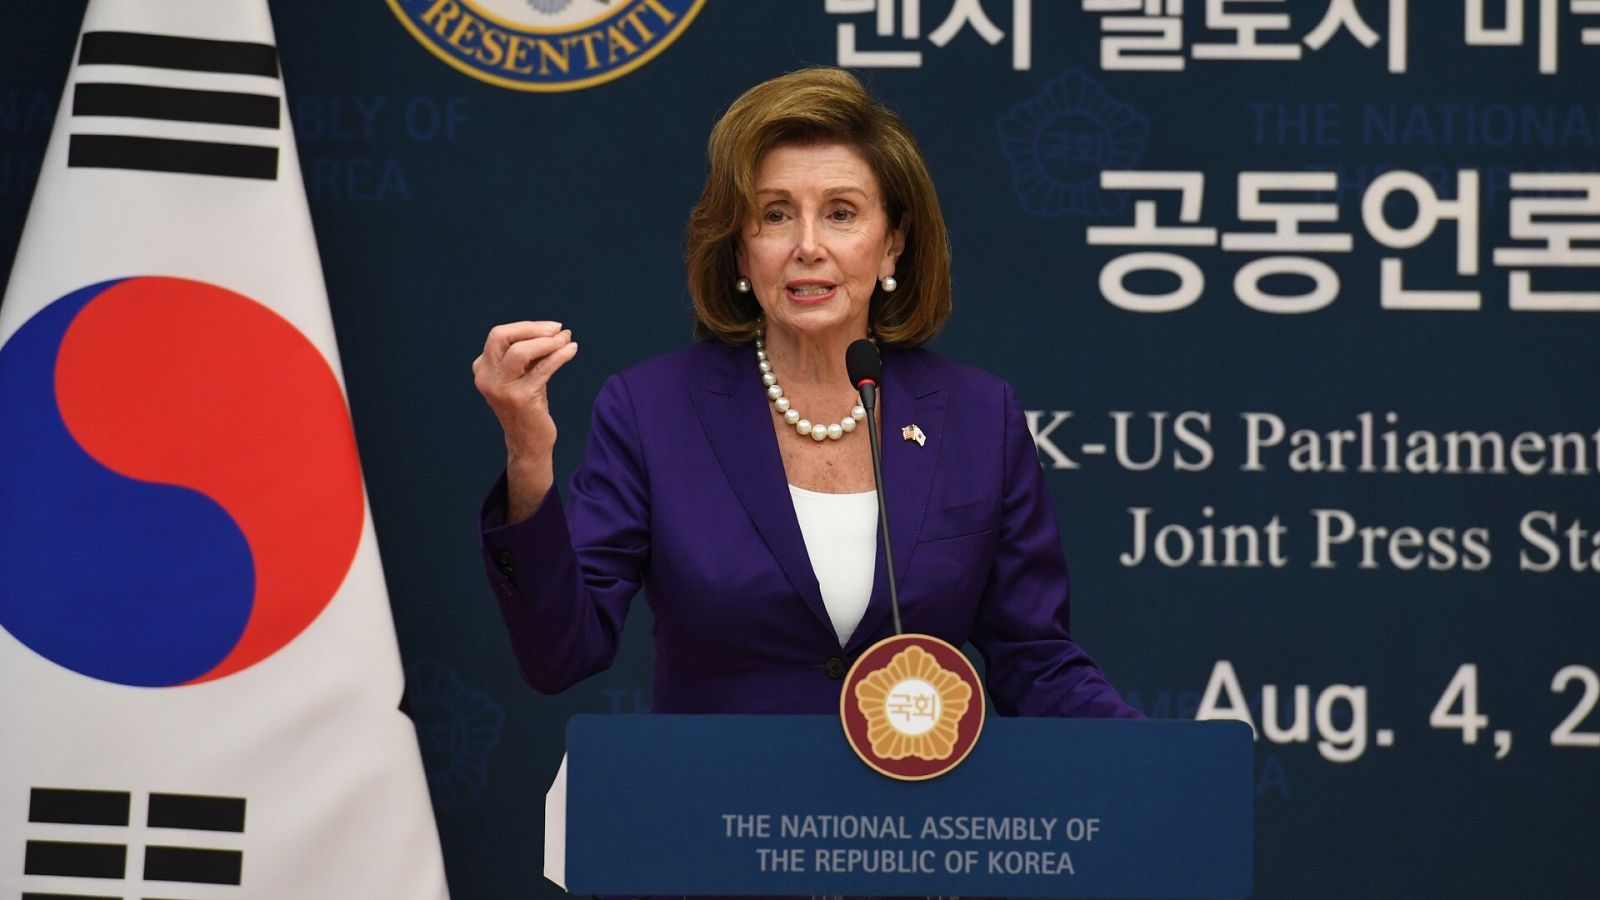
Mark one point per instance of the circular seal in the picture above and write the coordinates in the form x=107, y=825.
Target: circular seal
x=1059, y=141
x=546, y=45
x=912, y=707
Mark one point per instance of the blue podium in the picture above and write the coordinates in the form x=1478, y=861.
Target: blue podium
x=726, y=805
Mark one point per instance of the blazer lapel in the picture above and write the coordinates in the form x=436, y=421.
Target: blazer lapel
x=733, y=409
x=908, y=398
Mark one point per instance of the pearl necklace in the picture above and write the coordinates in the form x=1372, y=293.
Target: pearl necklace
x=791, y=415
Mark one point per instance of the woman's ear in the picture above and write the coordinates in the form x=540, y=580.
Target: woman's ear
x=897, y=242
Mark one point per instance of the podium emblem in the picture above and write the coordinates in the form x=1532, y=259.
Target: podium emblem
x=912, y=707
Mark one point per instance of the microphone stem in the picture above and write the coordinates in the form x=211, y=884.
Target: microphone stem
x=869, y=401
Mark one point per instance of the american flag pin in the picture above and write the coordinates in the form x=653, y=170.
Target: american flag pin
x=913, y=433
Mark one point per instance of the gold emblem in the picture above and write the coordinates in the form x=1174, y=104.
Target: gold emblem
x=913, y=433
x=912, y=707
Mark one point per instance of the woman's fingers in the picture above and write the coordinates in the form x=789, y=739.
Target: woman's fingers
x=502, y=337
x=520, y=357
x=555, y=359
x=510, y=362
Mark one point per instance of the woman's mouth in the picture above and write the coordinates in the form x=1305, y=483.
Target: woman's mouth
x=810, y=292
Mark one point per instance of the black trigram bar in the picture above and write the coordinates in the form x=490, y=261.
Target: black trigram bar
x=75, y=860
x=196, y=812
x=161, y=51
x=113, y=151
x=139, y=101
x=193, y=864
x=66, y=897
x=67, y=806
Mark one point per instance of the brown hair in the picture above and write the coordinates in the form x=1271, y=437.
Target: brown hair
x=817, y=105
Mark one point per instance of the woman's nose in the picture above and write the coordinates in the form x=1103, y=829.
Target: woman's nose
x=808, y=246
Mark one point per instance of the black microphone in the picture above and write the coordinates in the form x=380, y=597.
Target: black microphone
x=865, y=367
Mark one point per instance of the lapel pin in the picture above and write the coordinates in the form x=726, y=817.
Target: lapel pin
x=913, y=433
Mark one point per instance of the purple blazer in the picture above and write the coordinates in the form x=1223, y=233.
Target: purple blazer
x=682, y=491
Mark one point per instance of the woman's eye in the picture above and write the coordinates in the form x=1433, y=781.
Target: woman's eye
x=772, y=216
x=842, y=215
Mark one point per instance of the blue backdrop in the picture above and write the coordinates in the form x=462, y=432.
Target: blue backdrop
x=1318, y=433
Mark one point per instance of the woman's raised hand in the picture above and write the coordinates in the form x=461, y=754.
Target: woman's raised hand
x=513, y=374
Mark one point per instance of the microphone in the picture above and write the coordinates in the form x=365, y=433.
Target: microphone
x=865, y=368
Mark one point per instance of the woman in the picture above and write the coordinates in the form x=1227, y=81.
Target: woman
x=729, y=479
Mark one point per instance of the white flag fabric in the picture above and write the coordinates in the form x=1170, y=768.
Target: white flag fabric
x=199, y=682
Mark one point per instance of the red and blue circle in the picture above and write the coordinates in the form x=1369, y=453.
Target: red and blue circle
x=180, y=495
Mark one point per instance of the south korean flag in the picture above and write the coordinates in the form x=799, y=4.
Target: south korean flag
x=199, y=684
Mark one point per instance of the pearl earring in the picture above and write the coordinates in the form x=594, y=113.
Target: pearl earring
x=742, y=285
x=889, y=284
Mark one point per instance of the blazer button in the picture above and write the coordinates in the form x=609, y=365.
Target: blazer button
x=502, y=561
x=835, y=667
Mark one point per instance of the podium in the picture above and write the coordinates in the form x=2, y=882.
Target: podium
x=779, y=805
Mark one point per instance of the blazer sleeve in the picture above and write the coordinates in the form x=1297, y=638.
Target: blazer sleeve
x=564, y=577
x=1023, y=624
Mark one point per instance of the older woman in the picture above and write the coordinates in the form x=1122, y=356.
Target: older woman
x=730, y=479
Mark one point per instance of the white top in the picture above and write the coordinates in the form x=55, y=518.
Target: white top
x=840, y=532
